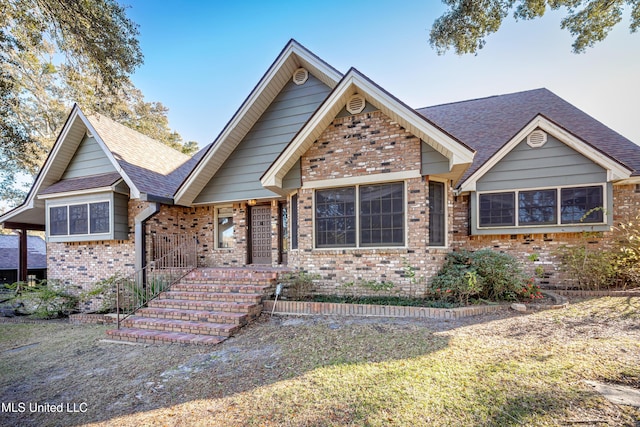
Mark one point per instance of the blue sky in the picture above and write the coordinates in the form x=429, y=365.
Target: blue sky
x=202, y=58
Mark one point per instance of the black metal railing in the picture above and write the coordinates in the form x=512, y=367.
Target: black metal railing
x=135, y=291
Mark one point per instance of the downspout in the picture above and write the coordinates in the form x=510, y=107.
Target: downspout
x=139, y=233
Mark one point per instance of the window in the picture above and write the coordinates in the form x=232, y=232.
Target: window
x=382, y=215
x=225, y=227
x=552, y=206
x=537, y=207
x=581, y=204
x=58, y=221
x=437, y=213
x=336, y=217
x=294, y=221
x=80, y=219
x=378, y=221
x=497, y=209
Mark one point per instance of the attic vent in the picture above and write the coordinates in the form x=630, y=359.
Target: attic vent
x=300, y=76
x=537, y=138
x=356, y=104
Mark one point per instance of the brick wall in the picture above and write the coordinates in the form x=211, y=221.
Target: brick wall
x=546, y=246
x=366, y=144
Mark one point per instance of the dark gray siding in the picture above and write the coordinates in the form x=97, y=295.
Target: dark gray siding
x=120, y=216
x=89, y=159
x=433, y=162
x=239, y=177
x=553, y=164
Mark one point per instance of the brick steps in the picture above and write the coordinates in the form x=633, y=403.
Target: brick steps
x=154, y=337
x=213, y=296
x=182, y=326
x=194, y=315
x=206, y=307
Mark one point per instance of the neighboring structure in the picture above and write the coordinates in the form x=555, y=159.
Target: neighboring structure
x=330, y=173
x=10, y=259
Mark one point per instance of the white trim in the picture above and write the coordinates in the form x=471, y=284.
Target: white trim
x=558, y=222
x=76, y=193
x=446, y=210
x=222, y=202
x=293, y=51
x=615, y=171
x=69, y=203
x=353, y=82
x=362, y=179
x=215, y=225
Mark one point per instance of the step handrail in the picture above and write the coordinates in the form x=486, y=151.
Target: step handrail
x=136, y=290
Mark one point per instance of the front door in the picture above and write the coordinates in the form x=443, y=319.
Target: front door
x=261, y=235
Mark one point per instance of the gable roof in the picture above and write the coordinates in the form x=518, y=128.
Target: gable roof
x=488, y=124
x=292, y=57
x=459, y=154
x=146, y=165
x=9, y=256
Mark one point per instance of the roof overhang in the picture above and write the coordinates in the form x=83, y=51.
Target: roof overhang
x=615, y=170
x=292, y=57
x=460, y=156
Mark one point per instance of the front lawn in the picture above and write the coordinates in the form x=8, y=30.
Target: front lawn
x=499, y=369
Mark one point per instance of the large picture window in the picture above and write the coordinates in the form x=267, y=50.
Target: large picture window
x=379, y=219
x=551, y=206
x=80, y=219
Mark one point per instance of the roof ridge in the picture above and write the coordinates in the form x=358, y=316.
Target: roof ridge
x=484, y=98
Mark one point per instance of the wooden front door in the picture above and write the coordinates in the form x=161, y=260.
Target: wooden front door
x=261, y=235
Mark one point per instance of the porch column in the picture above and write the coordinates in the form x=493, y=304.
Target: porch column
x=23, y=251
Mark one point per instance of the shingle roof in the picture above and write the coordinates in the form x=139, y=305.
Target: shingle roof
x=154, y=167
x=489, y=123
x=36, y=255
x=83, y=183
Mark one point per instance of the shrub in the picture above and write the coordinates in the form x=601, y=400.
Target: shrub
x=105, y=292
x=45, y=300
x=589, y=269
x=484, y=274
x=298, y=285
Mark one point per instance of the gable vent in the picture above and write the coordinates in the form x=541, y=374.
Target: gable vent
x=356, y=104
x=300, y=76
x=537, y=138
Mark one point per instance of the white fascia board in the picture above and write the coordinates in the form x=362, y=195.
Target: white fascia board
x=77, y=193
x=135, y=193
x=615, y=171
x=182, y=196
x=352, y=83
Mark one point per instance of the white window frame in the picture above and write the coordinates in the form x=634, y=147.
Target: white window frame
x=357, y=186
x=558, y=222
x=216, y=237
x=67, y=204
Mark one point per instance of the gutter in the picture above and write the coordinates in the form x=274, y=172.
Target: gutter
x=139, y=233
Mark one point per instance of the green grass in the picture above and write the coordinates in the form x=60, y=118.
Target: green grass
x=495, y=370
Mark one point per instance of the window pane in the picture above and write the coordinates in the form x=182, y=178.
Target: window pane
x=537, y=207
x=225, y=227
x=294, y=221
x=382, y=215
x=58, y=221
x=335, y=217
x=497, y=209
x=78, y=219
x=99, y=214
x=436, y=214
x=581, y=205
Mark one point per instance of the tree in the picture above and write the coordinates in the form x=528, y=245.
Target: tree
x=57, y=52
x=467, y=22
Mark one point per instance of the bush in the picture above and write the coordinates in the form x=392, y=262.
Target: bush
x=588, y=269
x=298, y=285
x=482, y=275
x=44, y=300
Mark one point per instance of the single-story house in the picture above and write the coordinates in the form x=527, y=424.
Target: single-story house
x=10, y=258
x=328, y=172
